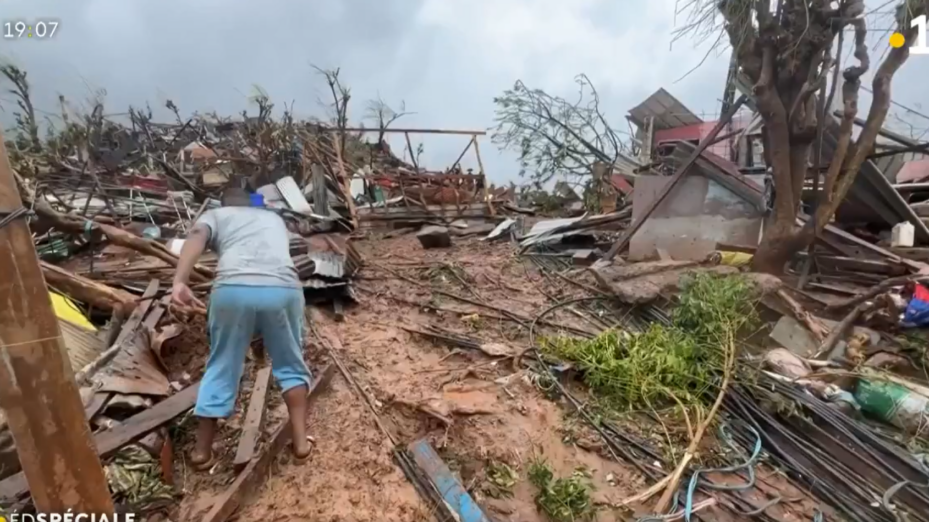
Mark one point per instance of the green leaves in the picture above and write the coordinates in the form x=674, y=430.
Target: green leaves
x=565, y=499
x=664, y=364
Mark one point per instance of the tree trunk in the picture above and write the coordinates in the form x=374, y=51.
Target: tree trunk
x=779, y=244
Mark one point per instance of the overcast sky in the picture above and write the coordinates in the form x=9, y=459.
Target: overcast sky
x=446, y=59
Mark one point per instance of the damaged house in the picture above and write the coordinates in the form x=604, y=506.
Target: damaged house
x=721, y=201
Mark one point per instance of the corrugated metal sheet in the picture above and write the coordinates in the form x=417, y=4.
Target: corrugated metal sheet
x=328, y=264
x=667, y=111
x=293, y=195
x=83, y=345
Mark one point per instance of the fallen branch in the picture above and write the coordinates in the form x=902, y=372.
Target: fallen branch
x=80, y=225
x=98, y=295
x=840, y=329
x=812, y=323
x=665, y=501
x=517, y=318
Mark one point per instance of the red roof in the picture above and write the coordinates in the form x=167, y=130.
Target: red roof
x=913, y=171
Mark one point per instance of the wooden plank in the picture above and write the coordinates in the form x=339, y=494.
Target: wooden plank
x=250, y=479
x=38, y=392
x=110, y=441
x=414, y=131
x=870, y=266
x=254, y=418
x=915, y=265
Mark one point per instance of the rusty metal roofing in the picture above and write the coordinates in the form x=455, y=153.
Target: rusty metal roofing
x=83, y=345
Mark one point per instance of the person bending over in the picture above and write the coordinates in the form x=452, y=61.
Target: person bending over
x=256, y=290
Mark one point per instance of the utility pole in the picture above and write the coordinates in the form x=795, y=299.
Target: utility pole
x=37, y=389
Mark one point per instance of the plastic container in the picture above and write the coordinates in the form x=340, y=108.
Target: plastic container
x=893, y=404
x=256, y=200
x=902, y=235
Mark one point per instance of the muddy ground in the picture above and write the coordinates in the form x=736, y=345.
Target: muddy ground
x=475, y=409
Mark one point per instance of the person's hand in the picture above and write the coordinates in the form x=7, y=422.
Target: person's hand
x=182, y=295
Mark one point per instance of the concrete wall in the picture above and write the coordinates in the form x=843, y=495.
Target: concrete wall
x=696, y=215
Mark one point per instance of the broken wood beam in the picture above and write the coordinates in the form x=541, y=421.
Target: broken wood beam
x=110, y=441
x=87, y=291
x=79, y=225
x=707, y=140
x=254, y=419
x=877, y=289
x=43, y=406
x=250, y=479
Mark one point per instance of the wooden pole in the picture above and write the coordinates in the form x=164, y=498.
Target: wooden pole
x=37, y=388
x=480, y=165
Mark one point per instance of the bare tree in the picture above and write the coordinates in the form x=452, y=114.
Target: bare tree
x=383, y=115
x=340, y=96
x=786, y=50
x=25, y=120
x=554, y=136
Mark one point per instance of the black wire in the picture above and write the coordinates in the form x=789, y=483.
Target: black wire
x=9, y=217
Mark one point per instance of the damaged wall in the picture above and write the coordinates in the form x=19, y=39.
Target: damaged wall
x=696, y=215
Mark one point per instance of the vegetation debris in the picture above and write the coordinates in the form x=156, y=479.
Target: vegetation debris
x=669, y=364
x=564, y=499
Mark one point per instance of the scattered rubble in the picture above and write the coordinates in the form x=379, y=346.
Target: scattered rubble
x=562, y=350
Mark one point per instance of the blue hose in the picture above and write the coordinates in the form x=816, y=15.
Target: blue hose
x=695, y=481
x=749, y=465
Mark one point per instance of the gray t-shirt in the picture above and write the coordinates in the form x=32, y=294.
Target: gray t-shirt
x=252, y=245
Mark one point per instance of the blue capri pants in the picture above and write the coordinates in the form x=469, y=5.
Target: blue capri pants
x=236, y=314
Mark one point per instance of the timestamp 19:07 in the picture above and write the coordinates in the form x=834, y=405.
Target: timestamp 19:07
x=23, y=30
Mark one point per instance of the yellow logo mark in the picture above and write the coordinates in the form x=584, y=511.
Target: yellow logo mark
x=2, y=518
x=897, y=40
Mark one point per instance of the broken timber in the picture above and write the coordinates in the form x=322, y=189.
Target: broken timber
x=249, y=479
x=110, y=441
x=254, y=417
x=44, y=410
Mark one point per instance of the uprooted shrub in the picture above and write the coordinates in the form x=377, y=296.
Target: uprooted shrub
x=666, y=364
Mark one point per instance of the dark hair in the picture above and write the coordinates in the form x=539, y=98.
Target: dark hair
x=235, y=197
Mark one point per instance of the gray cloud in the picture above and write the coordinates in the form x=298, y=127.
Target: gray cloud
x=446, y=58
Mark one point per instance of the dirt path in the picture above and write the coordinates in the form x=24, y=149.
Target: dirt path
x=473, y=410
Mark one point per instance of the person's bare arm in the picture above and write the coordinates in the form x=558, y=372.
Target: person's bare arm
x=193, y=248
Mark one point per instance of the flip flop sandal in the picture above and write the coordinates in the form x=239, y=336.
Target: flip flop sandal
x=206, y=465
x=299, y=459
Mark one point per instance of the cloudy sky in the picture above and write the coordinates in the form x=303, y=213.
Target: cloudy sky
x=446, y=59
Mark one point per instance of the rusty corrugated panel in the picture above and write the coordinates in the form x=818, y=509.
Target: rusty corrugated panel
x=83, y=345
x=134, y=370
